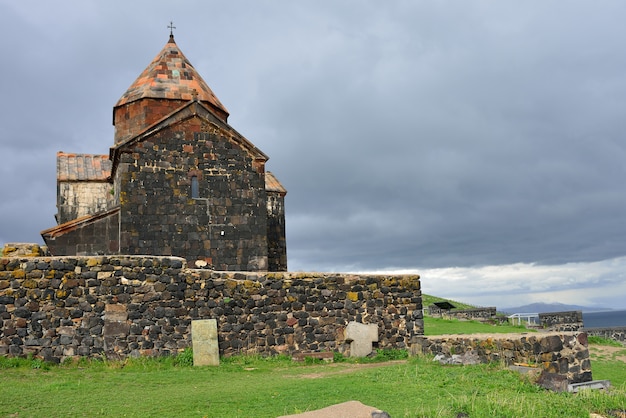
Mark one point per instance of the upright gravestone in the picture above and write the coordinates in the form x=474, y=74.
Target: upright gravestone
x=204, y=340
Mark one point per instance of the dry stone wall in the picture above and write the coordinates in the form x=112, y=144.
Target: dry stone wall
x=612, y=333
x=565, y=353
x=562, y=321
x=119, y=306
x=480, y=314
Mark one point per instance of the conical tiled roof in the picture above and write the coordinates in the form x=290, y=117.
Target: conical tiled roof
x=170, y=75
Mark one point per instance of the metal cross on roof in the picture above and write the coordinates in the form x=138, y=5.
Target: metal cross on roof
x=171, y=27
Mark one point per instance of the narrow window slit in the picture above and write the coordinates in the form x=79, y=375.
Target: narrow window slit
x=195, y=188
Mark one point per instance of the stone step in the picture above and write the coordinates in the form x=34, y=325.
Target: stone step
x=594, y=384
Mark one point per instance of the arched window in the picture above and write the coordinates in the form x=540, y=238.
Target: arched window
x=195, y=188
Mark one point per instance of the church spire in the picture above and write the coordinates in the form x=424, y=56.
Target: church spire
x=168, y=83
x=171, y=76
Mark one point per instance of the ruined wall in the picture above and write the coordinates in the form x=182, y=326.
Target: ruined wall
x=480, y=314
x=225, y=225
x=565, y=354
x=612, y=333
x=58, y=307
x=562, y=321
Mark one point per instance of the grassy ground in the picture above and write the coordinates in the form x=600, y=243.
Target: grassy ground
x=256, y=387
x=438, y=326
x=269, y=387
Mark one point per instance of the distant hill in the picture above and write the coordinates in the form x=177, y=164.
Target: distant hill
x=550, y=307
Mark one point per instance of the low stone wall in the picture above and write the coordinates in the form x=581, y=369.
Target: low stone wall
x=565, y=354
x=562, y=321
x=613, y=333
x=58, y=307
x=20, y=249
x=480, y=314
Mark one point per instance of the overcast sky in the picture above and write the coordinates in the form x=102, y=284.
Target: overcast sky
x=481, y=144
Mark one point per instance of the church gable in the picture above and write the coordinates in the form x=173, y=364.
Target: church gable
x=196, y=117
x=186, y=191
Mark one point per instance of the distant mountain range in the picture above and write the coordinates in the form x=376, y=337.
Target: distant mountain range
x=551, y=307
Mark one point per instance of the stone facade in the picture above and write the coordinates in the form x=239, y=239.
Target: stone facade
x=224, y=225
x=565, y=354
x=81, y=198
x=178, y=181
x=276, y=235
x=59, y=307
x=96, y=234
x=82, y=185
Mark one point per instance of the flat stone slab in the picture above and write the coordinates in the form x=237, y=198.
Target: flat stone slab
x=204, y=341
x=594, y=384
x=350, y=409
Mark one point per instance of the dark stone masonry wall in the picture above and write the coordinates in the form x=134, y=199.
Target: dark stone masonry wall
x=225, y=225
x=480, y=314
x=276, y=237
x=562, y=321
x=98, y=236
x=565, y=354
x=612, y=333
x=119, y=306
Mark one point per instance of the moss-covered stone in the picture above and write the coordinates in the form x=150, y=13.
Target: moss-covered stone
x=18, y=274
x=30, y=283
x=93, y=262
x=353, y=296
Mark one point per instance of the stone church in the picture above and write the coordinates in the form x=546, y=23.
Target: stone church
x=179, y=181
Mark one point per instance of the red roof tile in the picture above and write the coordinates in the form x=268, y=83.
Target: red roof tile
x=170, y=75
x=82, y=167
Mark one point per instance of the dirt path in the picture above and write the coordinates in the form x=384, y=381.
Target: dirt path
x=606, y=352
x=344, y=368
x=354, y=409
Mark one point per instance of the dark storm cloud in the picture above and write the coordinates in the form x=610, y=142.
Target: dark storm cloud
x=478, y=144
x=410, y=134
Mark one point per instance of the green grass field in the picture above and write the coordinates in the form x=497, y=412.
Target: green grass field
x=269, y=387
x=438, y=326
x=257, y=387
